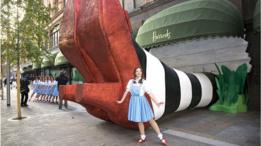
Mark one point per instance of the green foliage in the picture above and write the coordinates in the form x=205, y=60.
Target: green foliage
x=230, y=88
x=30, y=27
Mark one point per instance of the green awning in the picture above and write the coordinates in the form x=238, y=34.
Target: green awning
x=191, y=19
x=76, y=76
x=48, y=61
x=256, y=17
x=55, y=72
x=36, y=65
x=60, y=59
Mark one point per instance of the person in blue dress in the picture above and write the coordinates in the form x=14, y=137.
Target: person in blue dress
x=139, y=108
x=55, y=91
x=49, y=89
x=40, y=94
x=43, y=88
x=34, y=87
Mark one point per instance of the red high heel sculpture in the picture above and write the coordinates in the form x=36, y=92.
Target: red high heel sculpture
x=96, y=39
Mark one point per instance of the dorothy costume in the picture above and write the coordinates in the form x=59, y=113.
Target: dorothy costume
x=40, y=86
x=55, y=88
x=139, y=107
x=34, y=86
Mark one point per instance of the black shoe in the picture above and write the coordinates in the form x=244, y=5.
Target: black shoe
x=25, y=104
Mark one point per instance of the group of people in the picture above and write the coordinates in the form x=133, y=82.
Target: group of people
x=44, y=88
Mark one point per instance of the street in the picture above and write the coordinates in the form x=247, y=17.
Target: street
x=46, y=125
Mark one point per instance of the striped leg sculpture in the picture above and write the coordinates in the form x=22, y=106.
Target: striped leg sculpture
x=95, y=37
x=178, y=90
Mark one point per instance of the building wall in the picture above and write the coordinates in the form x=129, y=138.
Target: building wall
x=146, y=8
x=54, y=26
x=253, y=38
x=140, y=10
x=246, y=8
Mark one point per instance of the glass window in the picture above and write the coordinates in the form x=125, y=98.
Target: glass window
x=54, y=38
x=129, y=5
x=139, y=3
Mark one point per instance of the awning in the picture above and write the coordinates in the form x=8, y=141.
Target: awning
x=36, y=65
x=76, y=76
x=256, y=17
x=60, y=59
x=191, y=19
x=48, y=61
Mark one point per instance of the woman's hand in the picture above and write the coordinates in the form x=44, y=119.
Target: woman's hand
x=119, y=101
x=123, y=98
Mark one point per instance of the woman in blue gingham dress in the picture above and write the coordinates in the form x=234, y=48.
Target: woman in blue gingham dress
x=139, y=108
x=35, y=88
x=55, y=91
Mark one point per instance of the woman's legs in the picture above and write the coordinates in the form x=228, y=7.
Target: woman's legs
x=142, y=132
x=155, y=126
x=141, y=128
x=31, y=96
x=56, y=99
x=37, y=97
x=53, y=98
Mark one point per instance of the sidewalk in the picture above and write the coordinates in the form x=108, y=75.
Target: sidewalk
x=46, y=125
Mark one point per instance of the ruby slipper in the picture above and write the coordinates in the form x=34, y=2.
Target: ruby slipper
x=95, y=37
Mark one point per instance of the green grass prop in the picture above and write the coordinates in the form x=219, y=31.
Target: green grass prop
x=230, y=90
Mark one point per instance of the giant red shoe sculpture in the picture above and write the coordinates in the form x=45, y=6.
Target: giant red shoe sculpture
x=96, y=39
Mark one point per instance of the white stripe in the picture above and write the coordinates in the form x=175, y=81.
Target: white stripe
x=206, y=90
x=155, y=76
x=198, y=138
x=185, y=90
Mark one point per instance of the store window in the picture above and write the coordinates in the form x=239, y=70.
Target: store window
x=54, y=38
x=139, y=3
x=129, y=5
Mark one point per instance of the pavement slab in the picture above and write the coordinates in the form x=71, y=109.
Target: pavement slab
x=46, y=125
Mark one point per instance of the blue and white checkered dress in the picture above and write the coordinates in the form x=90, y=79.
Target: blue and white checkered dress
x=139, y=107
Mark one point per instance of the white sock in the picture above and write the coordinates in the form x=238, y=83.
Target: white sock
x=160, y=136
x=143, y=136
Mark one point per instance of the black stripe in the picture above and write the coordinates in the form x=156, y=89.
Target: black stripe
x=172, y=90
x=196, y=90
x=142, y=56
x=211, y=77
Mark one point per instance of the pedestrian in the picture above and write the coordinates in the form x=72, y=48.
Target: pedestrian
x=5, y=81
x=24, y=90
x=44, y=89
x=139, y=108
x=11, y=83
x=55, y=92
x=34, y=87
x=62, y=79
x=39, y=90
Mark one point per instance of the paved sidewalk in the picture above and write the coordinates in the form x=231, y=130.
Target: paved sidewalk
x=46, y=125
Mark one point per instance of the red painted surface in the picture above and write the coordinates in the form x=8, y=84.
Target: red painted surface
x=96, y=39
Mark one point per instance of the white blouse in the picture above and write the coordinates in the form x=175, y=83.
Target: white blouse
x=144, y=87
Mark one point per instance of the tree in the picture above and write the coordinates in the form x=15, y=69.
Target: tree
x=24, y=35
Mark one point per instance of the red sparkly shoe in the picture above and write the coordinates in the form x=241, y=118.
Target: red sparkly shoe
x=164, y=142
x=141, y=140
